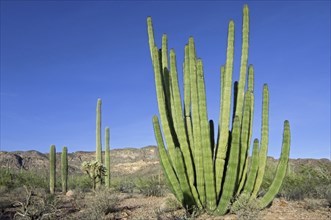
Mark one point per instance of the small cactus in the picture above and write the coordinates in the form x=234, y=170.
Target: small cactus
x=95, y=170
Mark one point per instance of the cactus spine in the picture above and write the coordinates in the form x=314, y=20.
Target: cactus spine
x=64, y=169
x=107, y=158
x=52, y=169
x=201, y=173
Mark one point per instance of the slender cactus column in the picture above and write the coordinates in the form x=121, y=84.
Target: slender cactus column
x=107, y=158
x=224, y=119
x=64, y=169
x=232, y=169
x=281, y=168
x=52, y=169
x=264, y=142
x=98, y=148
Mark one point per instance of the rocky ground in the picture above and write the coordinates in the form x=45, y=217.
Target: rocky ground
x=136, y=206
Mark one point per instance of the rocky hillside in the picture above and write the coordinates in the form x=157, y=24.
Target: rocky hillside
x=126, y=161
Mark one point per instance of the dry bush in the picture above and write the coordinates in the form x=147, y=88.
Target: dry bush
x=99, y=204
x=152, y=186
x=245, y=209
x=36, y=205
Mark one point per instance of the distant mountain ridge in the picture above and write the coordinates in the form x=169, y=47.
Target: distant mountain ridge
x=126, y=161
x=122, y=161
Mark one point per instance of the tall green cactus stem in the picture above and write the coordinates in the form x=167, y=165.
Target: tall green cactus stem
x=165, y=73
x=98, y=149
x=198, y=157
x=281, y=168
x=224, y=119
x=245, y=133
x=52, y=169
x=201, y=173
x=207, y=159
x=253, y=168
x=107, y=158
x=250, y=88
x=166, y=163
x=264, y=142
x=232, y=168
x=187, y=98
x=166, y=126
x=243, y=63
x=64, y=169
x=98, y=146
x=180, y=123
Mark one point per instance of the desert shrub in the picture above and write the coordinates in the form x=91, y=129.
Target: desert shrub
x=36, y=204
x=315, y=204
x=307, y=182
x=269, y=174
x=124, y=185
x=151, y=186
x=245, y=209
x=100, y=204
x=328, y=195
x=294, y=187
x=301, y=181
x=170, y=204
x=13, y=179
x=79, y=182
x=5, y=177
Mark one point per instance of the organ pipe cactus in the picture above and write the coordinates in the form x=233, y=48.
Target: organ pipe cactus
x=64, y=169
x=52, y=169
x=202, y=173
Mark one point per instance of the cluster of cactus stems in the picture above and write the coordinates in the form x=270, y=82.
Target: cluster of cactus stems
x=98, y=150
x=202, y=173
x=52, y=169
x=98, y=165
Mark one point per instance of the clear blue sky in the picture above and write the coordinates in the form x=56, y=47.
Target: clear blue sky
x=58, y=57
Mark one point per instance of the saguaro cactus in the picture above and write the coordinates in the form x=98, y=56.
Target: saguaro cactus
x=201, y=173
x=64, y=169
x=107, y=158
x=52, y=169
x=98, y=148
x=98, y=145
